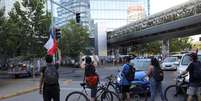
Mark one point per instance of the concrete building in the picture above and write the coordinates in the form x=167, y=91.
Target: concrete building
x=136, y=12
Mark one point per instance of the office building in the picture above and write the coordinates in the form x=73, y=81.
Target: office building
x=135, y=12
x=111, y=14
x=105, y=15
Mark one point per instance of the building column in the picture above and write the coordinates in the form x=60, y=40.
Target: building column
x=165, y=48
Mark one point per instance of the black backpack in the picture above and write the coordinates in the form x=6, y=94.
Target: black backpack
x=130, y=75
x=90, y=70
x=51, y=75
x=196, y=75
x=158, y=74
x=91, y=76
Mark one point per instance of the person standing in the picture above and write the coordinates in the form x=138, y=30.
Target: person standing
x=155, y=75
x=194, y=69
x=49, y=83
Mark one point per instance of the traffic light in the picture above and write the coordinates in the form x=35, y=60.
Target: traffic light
x=58, y=33
x=78, y=17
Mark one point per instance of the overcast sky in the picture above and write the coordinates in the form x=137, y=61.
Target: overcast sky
x=159, y=5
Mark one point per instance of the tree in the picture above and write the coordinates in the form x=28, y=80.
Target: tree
x=30, y=26
x=75, y=38
x=151, y=48
x=180, y=44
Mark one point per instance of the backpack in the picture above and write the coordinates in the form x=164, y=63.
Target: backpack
x=130, y=75
x=51, y=75
x=91, y=76
x=158, y=74
x=196, y=75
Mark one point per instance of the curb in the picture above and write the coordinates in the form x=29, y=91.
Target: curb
x=19, y=93
x=28, y=90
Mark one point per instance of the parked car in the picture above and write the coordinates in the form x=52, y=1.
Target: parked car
x=184, y=62
x=141, y=66
x=19, y=67
x=170, y=63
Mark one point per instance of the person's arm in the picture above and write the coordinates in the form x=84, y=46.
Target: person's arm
x=149, y=70
x=41, y=83
x=42, y=70
x=187, y=69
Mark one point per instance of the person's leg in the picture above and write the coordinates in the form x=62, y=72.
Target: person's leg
x=128, y=92
x=55, y=93
x=93, y=93
x=198, y=93
x=153, y=89
x=161, y=91
x=124, y=96
x=190, y=92
x=56, y=96
x=128, y=96
x=46, y=95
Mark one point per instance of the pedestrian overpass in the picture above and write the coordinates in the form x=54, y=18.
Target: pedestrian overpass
x=179, y=21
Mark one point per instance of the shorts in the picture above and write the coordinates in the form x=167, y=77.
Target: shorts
x=125, y=88
x=194, y=91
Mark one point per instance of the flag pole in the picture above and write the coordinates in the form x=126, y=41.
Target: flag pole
x=52, y=23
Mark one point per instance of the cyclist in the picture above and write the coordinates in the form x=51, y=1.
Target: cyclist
x=90, y=76
x=194, y=69
x=125, y=82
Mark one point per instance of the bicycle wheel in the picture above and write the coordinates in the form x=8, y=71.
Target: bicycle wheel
x=101, y=93
x=76, y=96
x=109, y=96
x=173, y=93
x=112, y=87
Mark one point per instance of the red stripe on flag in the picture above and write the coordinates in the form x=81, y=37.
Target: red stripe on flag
x=53, y=50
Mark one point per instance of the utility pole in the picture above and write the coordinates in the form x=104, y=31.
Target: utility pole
x=148, y=7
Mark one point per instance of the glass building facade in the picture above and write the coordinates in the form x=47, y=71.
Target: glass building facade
x=101, y=16
x=111, y=14
x=115, y=13
x=74, y=6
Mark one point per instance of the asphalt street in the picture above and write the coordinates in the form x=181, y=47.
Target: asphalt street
x=70, y=78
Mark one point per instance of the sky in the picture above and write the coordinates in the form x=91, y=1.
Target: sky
x=160, y=5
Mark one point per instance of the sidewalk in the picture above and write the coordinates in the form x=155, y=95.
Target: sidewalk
x=14, y=87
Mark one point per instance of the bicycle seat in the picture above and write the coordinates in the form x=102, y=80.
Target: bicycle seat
x=82, y=84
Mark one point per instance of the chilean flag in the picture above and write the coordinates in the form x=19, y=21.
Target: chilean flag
x=51, y=45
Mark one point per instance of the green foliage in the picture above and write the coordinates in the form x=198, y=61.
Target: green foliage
x=75, y=38
x=180, y=44
x=148, y=48
x=153, y=48
x=27, y=29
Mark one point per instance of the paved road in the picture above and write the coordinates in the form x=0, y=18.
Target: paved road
x=71, y=77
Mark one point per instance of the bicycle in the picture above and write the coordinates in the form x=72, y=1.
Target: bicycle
x=136, y=89
x=102, y=95
x=177, y=92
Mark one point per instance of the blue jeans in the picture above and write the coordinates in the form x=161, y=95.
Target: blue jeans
x=155, y=88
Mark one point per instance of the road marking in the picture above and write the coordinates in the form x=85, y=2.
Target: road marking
x=66, y=82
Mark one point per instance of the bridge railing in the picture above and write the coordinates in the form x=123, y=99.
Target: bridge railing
x=187, y=9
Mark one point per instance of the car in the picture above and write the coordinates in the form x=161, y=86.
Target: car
x=184, y=62
x=141, y=66
x=170, y=63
